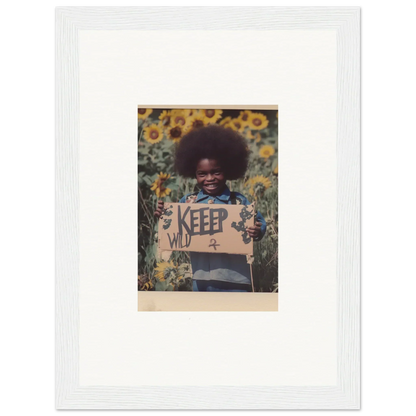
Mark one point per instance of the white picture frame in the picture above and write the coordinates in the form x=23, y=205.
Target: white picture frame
x=109, y=358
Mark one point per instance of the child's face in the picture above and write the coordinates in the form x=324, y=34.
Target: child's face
x=210, y=176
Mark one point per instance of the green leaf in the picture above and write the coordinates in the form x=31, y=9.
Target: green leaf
x=174, y=186
x=162, y=286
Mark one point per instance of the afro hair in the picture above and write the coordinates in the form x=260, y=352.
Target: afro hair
x=225, y=145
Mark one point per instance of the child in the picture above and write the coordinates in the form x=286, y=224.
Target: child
x=213, y=155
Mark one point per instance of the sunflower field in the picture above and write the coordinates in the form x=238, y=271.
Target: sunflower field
x=159, y=131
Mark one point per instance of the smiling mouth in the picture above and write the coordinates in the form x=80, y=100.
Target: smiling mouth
x=211, y=186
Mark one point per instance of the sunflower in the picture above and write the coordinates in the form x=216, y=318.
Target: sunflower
x=165, y=117
x=258, y=185
x=180, y=117
x=266, y=151
x=196, y=121
x=175, y=132
x=237, y=125
x=143, y=113
x=187, y=112
x=225, y=121
x=257, y=121
x=211, y=116
x=190, y=112
x=276, y=170
x=258, y=137
x=153, y=133
x=245, y=116
x=167, y=270
x=159, y=185
x=249, y=135
x=147, y=286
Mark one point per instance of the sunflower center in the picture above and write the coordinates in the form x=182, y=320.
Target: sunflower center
x=237, y=124
x=210, y=113
x=141, y=110
x=256, y=122
x=180, y=120
x=259, y=187
x=198, y=123
x=176, y=132
x=154, y=134
x=244, y=117
x=160, y=182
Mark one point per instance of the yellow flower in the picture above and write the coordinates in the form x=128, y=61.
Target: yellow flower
x=147, y=286
x=180, y=117
x=258, y=137
x=225, y=121
x=276, y=170
x=211, y=116
x=165, y=117
x=143, y=113
x=277, y=114
x=196, y=121
x=187, y=112
x=257, y=121
x=258, y=185
x=236, y=124
x=158, y=185
x=164, y=269
x=153, y=133
x=245, y=116
x=175, y=132
x=266, y=151
x=178, y=111
x=167, y=270
x=190, y=112
x=249, y=135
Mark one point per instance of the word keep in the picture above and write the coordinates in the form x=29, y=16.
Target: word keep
x=201, y=221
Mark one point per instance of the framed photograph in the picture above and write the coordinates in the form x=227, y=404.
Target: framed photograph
x=202, y=150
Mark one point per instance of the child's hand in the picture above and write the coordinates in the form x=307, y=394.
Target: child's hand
x=159, y=209
x=254, y=231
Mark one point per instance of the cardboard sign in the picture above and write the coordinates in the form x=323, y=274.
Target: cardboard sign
x=210, y=228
